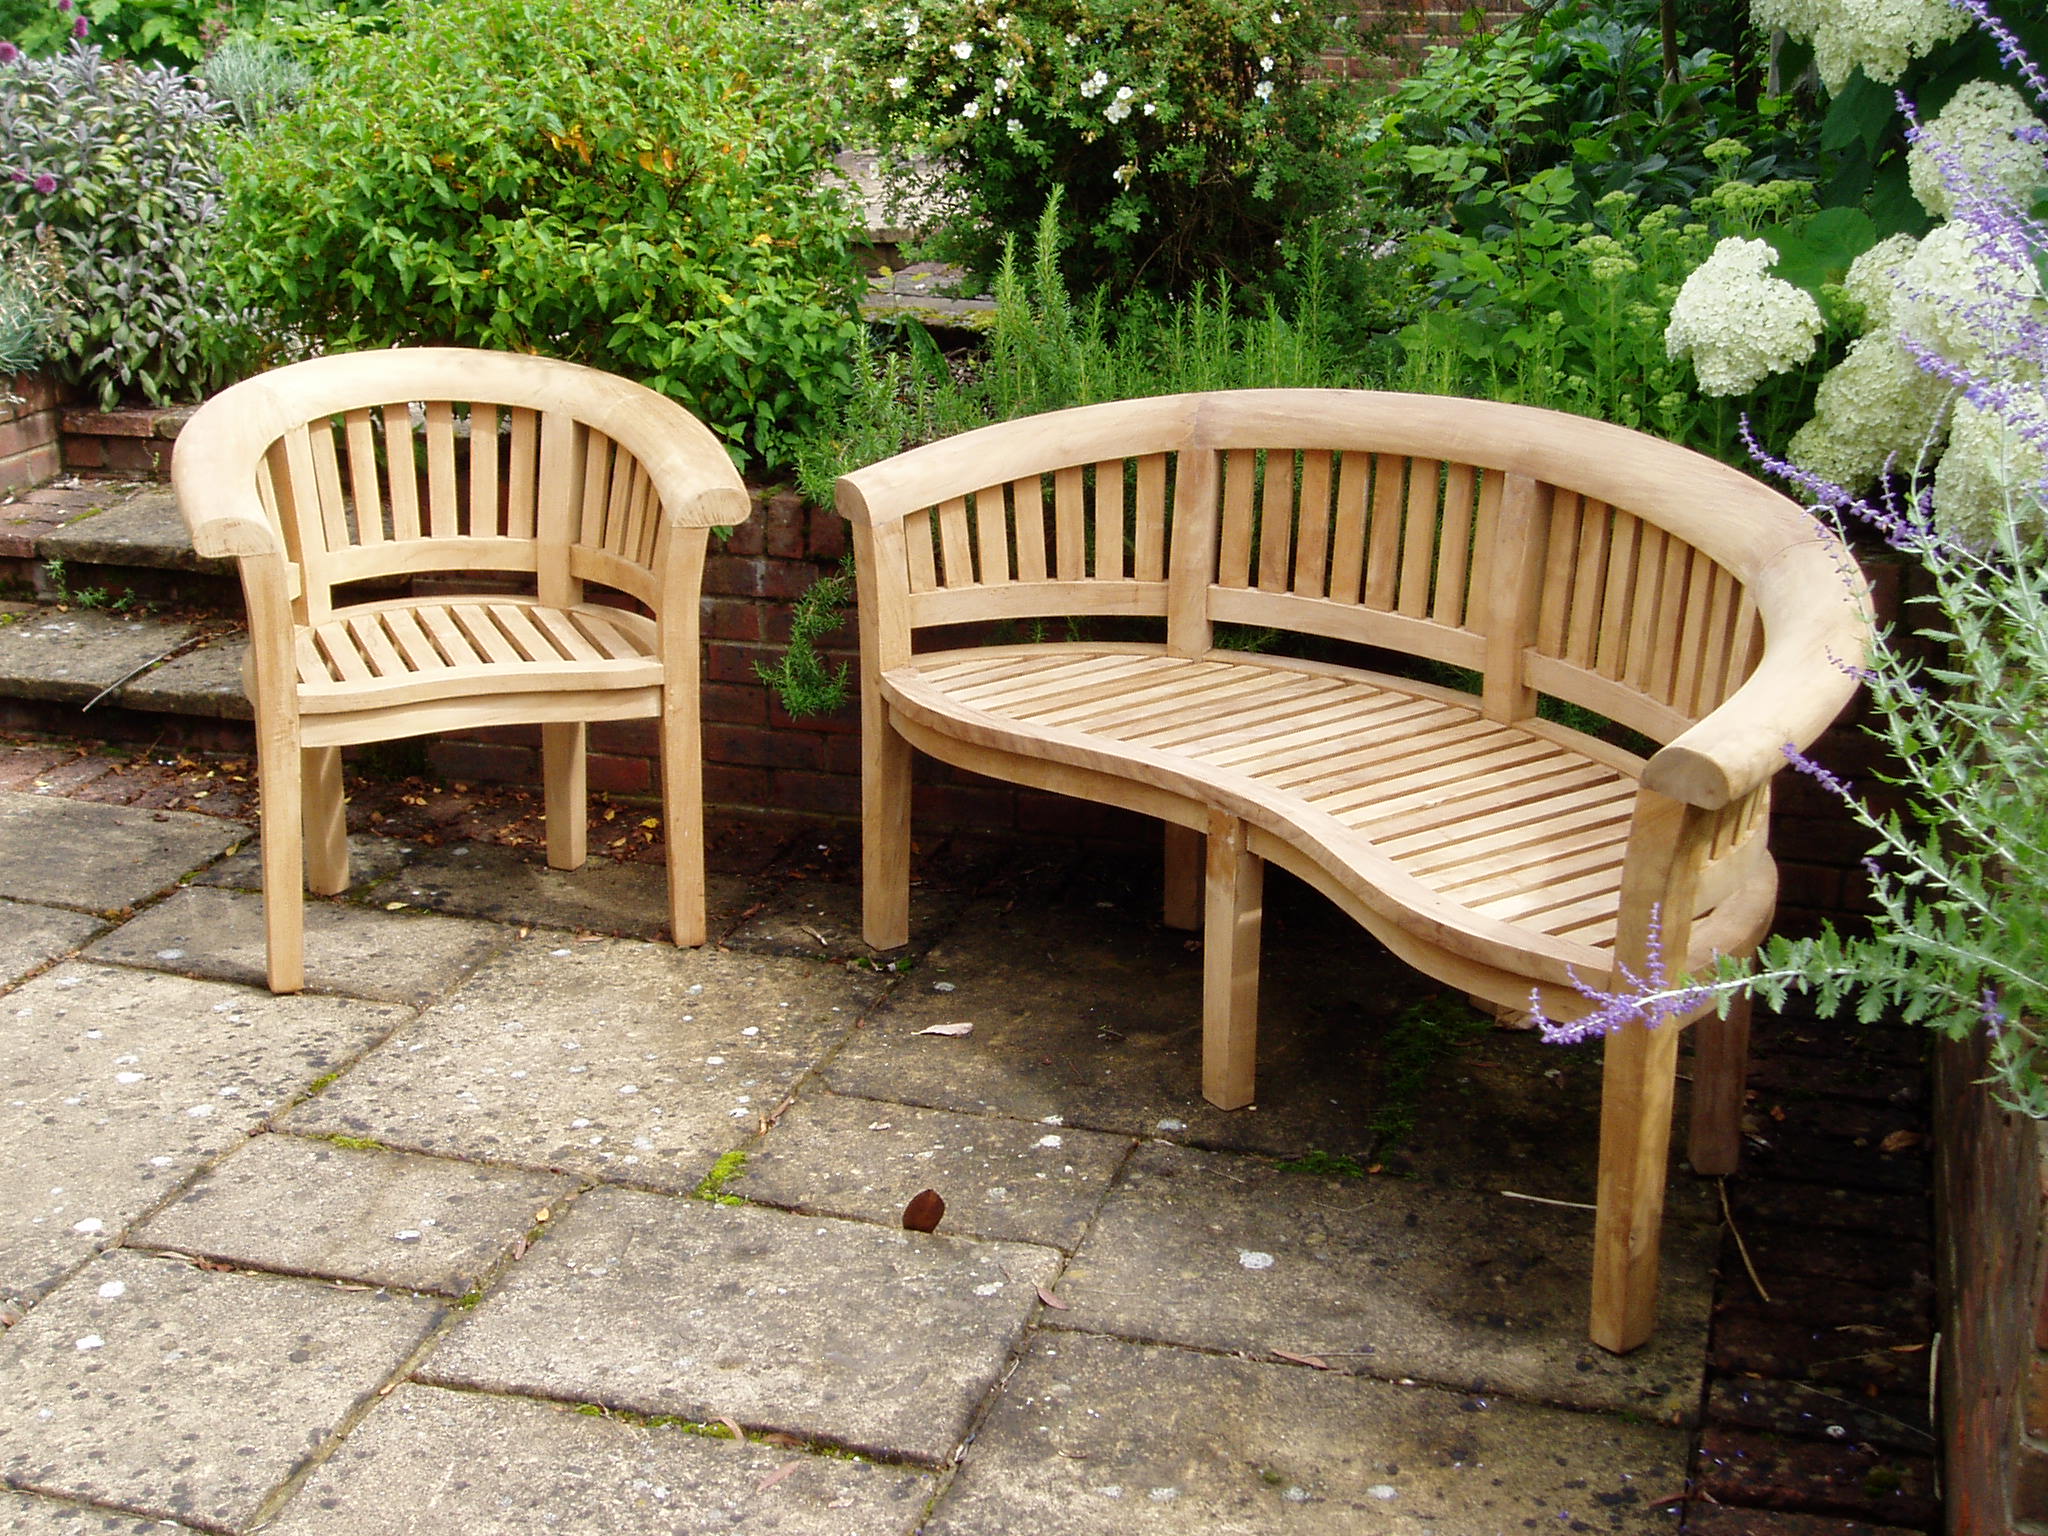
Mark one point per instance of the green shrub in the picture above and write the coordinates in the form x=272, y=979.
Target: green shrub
x=1188, y=136
x=634, y=185
x=114, y=166
x=258, y=79
x=31, y=306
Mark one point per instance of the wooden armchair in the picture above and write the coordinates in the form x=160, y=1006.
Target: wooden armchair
x=509, y=482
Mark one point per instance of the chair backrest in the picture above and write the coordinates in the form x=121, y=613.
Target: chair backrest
x=398, y=463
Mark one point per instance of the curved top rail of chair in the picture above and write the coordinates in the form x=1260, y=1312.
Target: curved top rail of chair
x=687, y=464
x=1810, y=597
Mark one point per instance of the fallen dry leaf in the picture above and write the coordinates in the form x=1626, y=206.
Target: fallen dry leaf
x=1314, y=1362
x=776, y=1476
x=1900, y=1141
x=1051, y=1300
x=962, y=1028
x=737, y=1433
x=924, y=1212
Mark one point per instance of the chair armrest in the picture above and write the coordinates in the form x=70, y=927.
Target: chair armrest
x=217, y=498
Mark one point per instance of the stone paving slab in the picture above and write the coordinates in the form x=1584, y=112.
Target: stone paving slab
x=820, y=919
x=172, y=1391
x=880, y=1340
x=69, y=655
x=433, y=1463
x=73, y=853
x=1464, y=1289
x=509, y=885
x=31, y=936
x=356, y=951
x=1099, y=1437
x=27, y=1514
x=371, y=860
x=1021, y=1181
x=351, y=1213
x=116, y=1084
x=617, y=1060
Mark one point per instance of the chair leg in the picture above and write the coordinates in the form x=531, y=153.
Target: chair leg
x=1635, y=1138
x=1184, y=860
x=1720, y=1072
x=279, y=766
x=325, y=820
x=682, y=821
x=568, y=808
x=884, y=833
x=1230, y=965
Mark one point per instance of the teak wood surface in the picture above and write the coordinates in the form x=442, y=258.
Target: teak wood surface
x=1500, y=852
x=336, y=483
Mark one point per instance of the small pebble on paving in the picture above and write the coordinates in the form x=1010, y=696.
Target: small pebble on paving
x=71, y=853
x=638, y=1063
x=383, y=1218
x=1098, y=1437
x=876, y=1339
x=116, y=1084
x=162, y=1389
x=1020, y=1180
x=394, y=957
x=433, y=1463
x=1463, y=1288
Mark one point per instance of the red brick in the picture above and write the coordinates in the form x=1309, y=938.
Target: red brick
x=733, y=703
x=761, y=748
x=842, y=754
x=1809, y=885
x=783, y=527
x=732, y=618
x=626, y=738
x=485, y=762
x=728, y=662
x=818, y=794
x=957, y=805
x=38, y=392
x=743, y=540
x=18, y=436
x=610, y=775
x=725, y=784
x=1062, y=816
x=827, y=539
x=31, y=466
x=843, y=721
x=84, y=452
x=137, y=455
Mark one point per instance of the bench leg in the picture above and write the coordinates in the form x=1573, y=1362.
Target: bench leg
x=563, y=786
x=1184, y=861
x=280, y=816
x=1635, y=1139
x=682, y=820
x=325, y=820
x=1720, y=1072
x=884, y=833
x=1230, y=965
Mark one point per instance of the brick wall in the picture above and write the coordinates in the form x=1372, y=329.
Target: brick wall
x=1991, y=1205
x=29, y=452
x=1414, y=25
x=134, y=443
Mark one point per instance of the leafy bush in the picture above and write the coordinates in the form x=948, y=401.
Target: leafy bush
x=258, y=79
x=114, y=165
x=633, y=185
x=1188, y=136
x=175, y=32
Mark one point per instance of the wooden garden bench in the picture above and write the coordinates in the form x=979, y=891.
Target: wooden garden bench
x=512, y=484
x=1486, y=845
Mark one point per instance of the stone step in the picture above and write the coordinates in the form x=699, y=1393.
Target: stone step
x=74, y=661
x=94, y=543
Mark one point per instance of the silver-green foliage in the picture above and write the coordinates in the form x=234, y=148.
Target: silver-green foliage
x=255, y=78
x=113, y=165
x=29, y=306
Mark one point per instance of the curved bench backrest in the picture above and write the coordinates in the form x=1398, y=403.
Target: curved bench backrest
x=367, y=465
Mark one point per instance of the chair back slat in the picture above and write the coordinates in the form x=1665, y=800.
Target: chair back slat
x=486, y=450
x=1240, y=504
x=444, y=515
x=1110, y=530
x=1070, y=523
x=522, y=474
x=360, y=433
x=1149, y=525
x=991, y=520
x=1027, y=510
x=402, y=484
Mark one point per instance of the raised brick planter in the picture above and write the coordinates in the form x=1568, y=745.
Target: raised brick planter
x=133, y=443
x=29, y=452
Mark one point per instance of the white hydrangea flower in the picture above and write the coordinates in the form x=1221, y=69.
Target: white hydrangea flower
x=1739, y=324
x=1094, y=84
x=1988, y=474
x=1873, y=280
x=1951, y=283
x=1879, y=36
x=1875, y=406
x=1974, y=133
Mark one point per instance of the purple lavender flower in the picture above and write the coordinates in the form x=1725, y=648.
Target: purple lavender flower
x=2009, y=48
x=1990, y=1012
x=1815, y=771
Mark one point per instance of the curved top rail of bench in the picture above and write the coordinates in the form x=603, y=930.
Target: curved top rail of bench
x=219, y=448
x=1809, y=595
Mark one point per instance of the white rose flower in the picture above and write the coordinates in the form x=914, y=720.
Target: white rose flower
x=1094, y=84
x=1739, y=324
